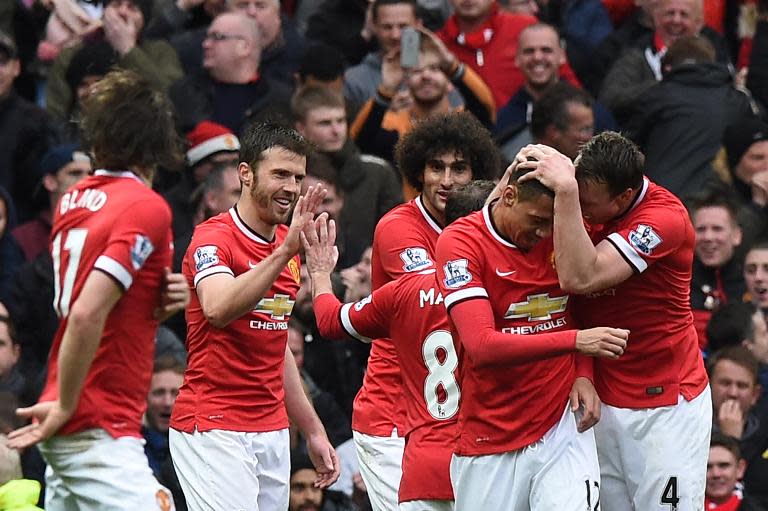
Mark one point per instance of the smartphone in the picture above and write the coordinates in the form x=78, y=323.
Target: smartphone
x=410, y=41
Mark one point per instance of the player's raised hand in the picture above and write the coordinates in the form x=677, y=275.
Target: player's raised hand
x=318, y=239
x=175, y=295
x=324, y=458
x=602, y=342
x=550, y=167
x=303, y=213
x=584, y=398
x=49, y=417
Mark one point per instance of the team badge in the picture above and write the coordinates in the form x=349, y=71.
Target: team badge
x=362, y=303
x=141, y=250
x=293, y=267
x=163, y=500
x=205, y=257
x=644, y=239
x=415, y=258
x=456, y=274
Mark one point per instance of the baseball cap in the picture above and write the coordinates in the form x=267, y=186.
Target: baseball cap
x=59, y=156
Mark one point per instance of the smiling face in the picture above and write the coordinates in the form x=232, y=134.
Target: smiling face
x=428, y=83
x=275, y=184
x=539, y=56
x=723, y=472
x=717, y=235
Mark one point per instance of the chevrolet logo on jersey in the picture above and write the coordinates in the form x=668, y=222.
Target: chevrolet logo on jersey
x=537, y=308
x=278, y=307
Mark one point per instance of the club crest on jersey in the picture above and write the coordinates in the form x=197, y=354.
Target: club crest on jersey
x=362, y=303
x=205, y=257
x=537, y=307
x=142, y=248
x=456, y=274
x=278, y=307
x=293, y=267
x=415, y=258
x=644, y=239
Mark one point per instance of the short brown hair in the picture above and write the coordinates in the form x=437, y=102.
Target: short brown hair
x=611, y=159
x=310, y=97
x=130, y=125
x=740, y=356
x=168, y=363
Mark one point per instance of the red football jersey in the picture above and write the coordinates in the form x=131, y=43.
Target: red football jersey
x=404, y=242
x=506, y=407
x=662, y=359
x=111, y=222
x=234, y=377
x=410, y=312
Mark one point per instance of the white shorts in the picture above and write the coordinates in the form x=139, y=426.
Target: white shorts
x=91, y=471
x=427, y=505
x=231, y=470
x=655, y=459
x=559, y=472
x=381, y=465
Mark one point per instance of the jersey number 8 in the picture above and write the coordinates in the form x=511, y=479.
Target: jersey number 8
x=441, y=375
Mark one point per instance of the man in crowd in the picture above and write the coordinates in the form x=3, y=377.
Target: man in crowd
x=725, y=468
x=717, y=278
x=639, y=269
x=111, y=252
x=229, y=429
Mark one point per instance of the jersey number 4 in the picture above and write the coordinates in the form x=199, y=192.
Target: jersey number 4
x=441, y=390
x=62, y=288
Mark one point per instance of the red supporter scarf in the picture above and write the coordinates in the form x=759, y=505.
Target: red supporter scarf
x=477, y=39
x=732, y=504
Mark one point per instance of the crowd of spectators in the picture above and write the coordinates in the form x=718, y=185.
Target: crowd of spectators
x=687, y=80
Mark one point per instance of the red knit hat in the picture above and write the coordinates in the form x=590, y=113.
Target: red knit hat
x=209, y=138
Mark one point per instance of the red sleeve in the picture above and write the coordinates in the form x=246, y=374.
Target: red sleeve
x=134, y=238
x=486, y=346
x=364, y=320
x=585, y=367
x=397, y=252
x=209, y=253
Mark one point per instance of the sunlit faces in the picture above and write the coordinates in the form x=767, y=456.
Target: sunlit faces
x=163, y=391
x=539, y=55
x=428, y=83
x=389, y=22
x=723, y=472
x=754, y=161
x=717, y=235
x=732, y=381
x=528, y=221
x=443, y=173
x=326, y=127
x=227, y=42
x=756, y=276
x=275, y=184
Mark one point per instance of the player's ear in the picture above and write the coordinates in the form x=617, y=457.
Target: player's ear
x=509, y=195
x=245, y=174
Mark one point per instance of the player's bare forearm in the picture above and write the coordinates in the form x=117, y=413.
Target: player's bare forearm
x=224, y=298
x=575, y=255
x=297, y=404
x=85, y=326
x=321, y=284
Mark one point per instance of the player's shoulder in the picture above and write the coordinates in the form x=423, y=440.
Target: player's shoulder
x=413, y=287
x=220, y=225
x=659, y=205
x=468, y=227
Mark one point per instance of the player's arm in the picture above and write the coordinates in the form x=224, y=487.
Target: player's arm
x=224, y=298
x=486, y=346
x=581, y=266
x=303, y=415
x=333, y=317
x=81, y=338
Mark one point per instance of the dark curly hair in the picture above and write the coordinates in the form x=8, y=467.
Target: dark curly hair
x=460, y=132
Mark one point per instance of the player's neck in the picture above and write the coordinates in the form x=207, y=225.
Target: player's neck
x=146, y=175
x=249, y=214
x=433, y=212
